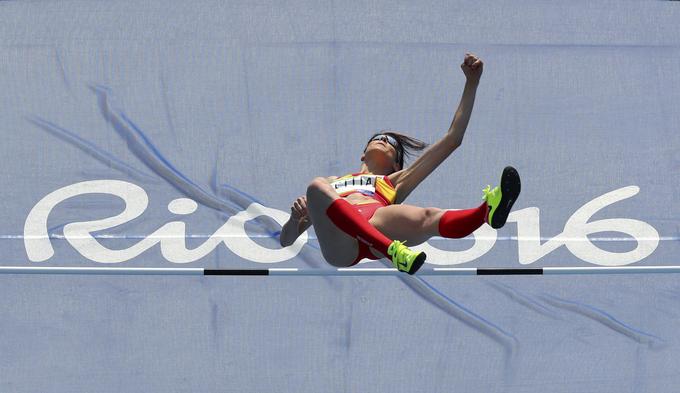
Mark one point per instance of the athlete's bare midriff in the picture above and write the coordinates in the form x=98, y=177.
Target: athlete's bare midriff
x=359, y=199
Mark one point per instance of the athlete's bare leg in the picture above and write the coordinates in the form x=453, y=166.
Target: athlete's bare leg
x=406, y=222
x=337, y=247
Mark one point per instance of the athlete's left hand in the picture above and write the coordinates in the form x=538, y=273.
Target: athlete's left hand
x=472, y=67
x=298, y=211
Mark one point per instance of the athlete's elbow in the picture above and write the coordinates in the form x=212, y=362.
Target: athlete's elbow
x=285, y=237
x=285, y=241
x=454, y=139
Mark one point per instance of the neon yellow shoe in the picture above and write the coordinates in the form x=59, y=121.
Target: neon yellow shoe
x=500, y=199
x=404, y=259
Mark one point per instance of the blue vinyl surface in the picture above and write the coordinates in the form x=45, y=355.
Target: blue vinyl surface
x=128, y=111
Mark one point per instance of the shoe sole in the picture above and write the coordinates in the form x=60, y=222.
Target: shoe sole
x=510, y=189
x=418, y=263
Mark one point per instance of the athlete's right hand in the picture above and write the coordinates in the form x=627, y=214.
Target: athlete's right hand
x=472, y=67
x=298, y=211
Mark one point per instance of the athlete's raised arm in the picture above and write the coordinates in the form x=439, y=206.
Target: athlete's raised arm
x=407, y=179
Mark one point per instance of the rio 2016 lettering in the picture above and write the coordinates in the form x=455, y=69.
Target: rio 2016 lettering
x=171, y=235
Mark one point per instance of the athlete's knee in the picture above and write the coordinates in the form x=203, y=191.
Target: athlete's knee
x=317, y=186
x=430, y=215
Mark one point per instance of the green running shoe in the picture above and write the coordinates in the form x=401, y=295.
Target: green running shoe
x=404, y=259
x=500, y=199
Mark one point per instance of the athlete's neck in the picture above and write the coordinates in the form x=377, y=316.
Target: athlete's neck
x=375, y=170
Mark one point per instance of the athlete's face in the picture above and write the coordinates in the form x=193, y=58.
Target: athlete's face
x=383, y=145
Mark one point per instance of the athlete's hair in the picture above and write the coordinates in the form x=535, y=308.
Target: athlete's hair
x=407, y=145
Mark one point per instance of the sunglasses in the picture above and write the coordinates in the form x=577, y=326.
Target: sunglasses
x=391, y=140
x=386, y=138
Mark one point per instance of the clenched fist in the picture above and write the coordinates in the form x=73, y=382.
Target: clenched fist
x=472, y=67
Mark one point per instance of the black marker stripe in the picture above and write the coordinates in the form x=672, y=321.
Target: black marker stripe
x=236, y=272
x=494, y=272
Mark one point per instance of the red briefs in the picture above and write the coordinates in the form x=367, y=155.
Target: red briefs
x=367, y=210
x=377, y=187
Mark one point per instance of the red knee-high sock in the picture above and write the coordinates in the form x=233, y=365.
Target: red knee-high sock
x=460, y=223
x=350, y=221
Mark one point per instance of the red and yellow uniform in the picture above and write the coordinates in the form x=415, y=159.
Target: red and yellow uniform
x=377, y=187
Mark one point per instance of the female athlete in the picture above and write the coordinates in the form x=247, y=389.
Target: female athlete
x=356, y=216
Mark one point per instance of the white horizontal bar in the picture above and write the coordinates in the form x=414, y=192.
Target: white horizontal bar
x=437, y=271
x=458, y=271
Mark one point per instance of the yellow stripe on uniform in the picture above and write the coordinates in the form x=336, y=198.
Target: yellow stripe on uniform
x=385, y=190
